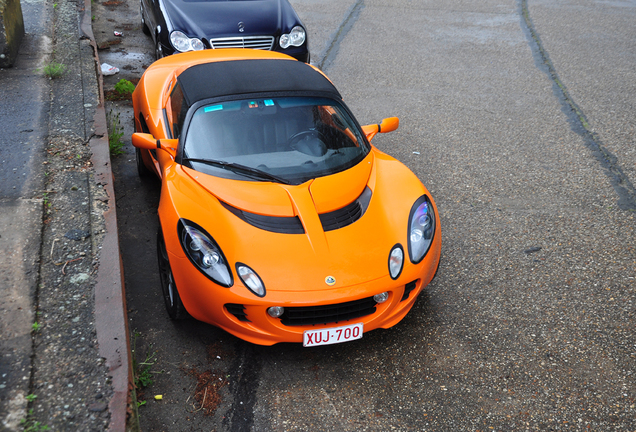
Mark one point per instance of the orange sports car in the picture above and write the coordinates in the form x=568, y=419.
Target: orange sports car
x=279, y=221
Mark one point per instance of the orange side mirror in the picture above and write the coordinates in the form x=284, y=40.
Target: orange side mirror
x=388, y=125
x=147, y=142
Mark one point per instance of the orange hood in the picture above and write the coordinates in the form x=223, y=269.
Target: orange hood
x=354, y=254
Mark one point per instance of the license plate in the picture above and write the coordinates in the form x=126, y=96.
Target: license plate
x=332, y=335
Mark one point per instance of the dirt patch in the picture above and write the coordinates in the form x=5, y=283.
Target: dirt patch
x=219, y=351
x=207, y=397
x=114, y=95
x=108, y=43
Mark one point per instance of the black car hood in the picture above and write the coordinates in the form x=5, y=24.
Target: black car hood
x=207, y=19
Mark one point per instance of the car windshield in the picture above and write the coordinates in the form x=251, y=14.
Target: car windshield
x=291, y=138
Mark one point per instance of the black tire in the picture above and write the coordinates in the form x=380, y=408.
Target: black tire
x=169, y=290
x=144, y=25
x=142, y=169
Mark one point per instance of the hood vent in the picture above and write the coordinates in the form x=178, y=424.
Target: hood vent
x=277, y=224
x=292, y=225
x=348, y=214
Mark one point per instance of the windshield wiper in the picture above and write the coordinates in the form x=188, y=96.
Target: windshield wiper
x=254, y=173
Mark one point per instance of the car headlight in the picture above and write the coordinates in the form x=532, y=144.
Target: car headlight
x=204, y=253
x=396, y=261
x=421, y=229
x=251, y=280
x=294, y=38
x=183, y=43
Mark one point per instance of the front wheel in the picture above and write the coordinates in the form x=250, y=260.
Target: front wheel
x=171, y=297
x=142, y=169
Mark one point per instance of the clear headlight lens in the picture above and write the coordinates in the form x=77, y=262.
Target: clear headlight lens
x=396, y=261
x=421, y=229
x=294, y=38
x=251, y=280
x=204, y=253
x=183, y=43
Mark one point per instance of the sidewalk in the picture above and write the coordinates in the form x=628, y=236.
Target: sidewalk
x=65, y=348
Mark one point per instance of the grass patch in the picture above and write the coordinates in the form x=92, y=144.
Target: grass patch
x=30, y=425
x=123, y=91
x=54, y=70
x=124, y=87
x=115, y=134
x=142, y=370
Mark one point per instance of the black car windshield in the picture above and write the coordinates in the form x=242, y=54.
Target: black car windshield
x=292, y=138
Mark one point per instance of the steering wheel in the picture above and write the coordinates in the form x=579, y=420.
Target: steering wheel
x=310, y=142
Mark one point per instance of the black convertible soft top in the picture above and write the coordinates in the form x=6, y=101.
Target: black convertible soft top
x=237, y=77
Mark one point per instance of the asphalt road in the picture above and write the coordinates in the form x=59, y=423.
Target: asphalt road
x=24, y=131
x=519, y=118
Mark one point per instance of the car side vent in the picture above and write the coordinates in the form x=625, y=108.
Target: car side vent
x=310, y=315
x=238, y=310
x=277, y=224
x=348, y=214
x=408, y=288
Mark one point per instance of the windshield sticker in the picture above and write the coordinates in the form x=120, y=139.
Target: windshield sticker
x=213, y=108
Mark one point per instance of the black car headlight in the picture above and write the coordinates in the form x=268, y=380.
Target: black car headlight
x=296, y=38
x=183, y=43
x=204, y=253
x=421, y=229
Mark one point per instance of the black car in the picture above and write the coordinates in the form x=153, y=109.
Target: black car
x=192, y=25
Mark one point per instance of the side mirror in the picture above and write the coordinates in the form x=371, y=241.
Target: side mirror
x=388, y=125
x=146, y=141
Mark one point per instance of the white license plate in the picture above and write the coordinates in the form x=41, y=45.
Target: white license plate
x=332, y=335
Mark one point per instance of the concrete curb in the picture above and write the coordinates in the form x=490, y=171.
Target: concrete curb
x=111, y=320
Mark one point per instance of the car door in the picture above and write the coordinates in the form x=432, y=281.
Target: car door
x=154, y=16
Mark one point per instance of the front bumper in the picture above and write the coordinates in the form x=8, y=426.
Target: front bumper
x=299, y=53
x=244, y=315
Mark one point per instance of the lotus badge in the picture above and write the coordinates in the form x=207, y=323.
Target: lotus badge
x=330, y=280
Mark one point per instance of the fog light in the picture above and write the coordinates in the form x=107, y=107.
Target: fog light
x=276, y=311
x=381, y=298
